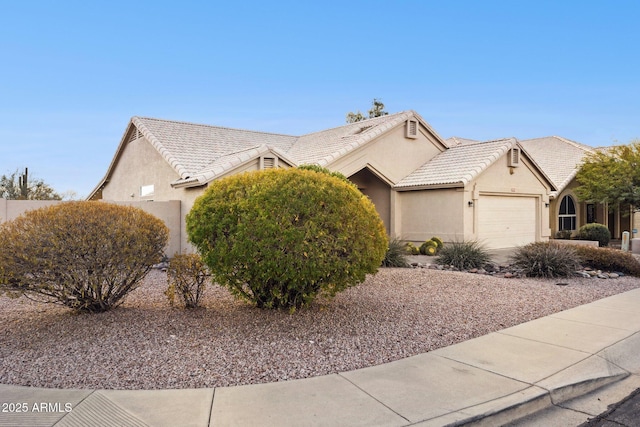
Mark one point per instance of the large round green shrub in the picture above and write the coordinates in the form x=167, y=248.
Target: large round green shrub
x=594, y=231
x=278, y=238
x=85, y=255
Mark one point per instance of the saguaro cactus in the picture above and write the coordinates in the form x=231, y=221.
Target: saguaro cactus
x=23, y=183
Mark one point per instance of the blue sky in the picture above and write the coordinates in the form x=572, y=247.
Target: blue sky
x=74, y=72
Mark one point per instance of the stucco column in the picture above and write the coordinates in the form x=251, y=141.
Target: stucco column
x=475, y=197
x=545, y=209
x=394, y=214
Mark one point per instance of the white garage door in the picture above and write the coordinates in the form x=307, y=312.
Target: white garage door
x=506, y=221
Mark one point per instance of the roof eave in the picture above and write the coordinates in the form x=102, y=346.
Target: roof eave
x=458, y=184
x=202, y=179
x=114, y=160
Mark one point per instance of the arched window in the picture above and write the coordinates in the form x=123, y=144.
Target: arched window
x=567, y=215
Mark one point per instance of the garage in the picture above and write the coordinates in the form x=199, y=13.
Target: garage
x=506, y=221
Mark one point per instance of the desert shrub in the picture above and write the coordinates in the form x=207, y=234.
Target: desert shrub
x=187, y=276
x=464, y=255
x=608, y=259
x=85, y=255
x=563, y=234
x=543, y=259
x=437, y=241
x=280, y=237
x=396, y=255
x=411, y=249
x=428, y=244
x=594, y=231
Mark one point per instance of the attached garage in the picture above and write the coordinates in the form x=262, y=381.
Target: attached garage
x=506, y=221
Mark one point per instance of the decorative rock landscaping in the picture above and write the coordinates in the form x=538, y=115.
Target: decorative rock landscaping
x=509, y=272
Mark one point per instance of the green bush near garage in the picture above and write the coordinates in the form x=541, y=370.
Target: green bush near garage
x=594, y=231
x=278, y=238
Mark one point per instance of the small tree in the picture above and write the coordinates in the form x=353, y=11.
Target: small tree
x=611, y=176
x=85, y=255
x=377, y=110
x=279, y=238
x=18, y=186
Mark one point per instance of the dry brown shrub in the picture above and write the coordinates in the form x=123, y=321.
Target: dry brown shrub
x=85, y=255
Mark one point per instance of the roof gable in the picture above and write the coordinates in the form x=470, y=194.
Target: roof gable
x=200, y=153
x=559, y=158
x=227, y=163
x=325, y=146
x=457, y=166
x=189, y=148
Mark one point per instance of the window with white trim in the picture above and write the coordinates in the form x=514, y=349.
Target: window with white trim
x=567, y=215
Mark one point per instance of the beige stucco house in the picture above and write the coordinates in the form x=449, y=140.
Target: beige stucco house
x=421, y=185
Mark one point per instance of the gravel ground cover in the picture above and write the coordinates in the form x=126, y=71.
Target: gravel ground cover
x=146, y=344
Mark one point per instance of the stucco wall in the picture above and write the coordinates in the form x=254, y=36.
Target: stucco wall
x=499, y=178
x=378, y=191
x=423, y=214
x=392, y=155
x=140, y=164
x=11, y=209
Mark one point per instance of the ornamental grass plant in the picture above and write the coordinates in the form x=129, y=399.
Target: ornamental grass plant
x=546, y=259
x=463, y=255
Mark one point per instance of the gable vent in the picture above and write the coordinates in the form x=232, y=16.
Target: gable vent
x=135, y=134
x=412, y=129
x=268, y=163
x=514, y=158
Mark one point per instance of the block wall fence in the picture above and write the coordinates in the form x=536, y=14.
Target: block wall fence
x=169, y=212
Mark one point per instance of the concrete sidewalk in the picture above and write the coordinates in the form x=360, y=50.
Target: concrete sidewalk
x=567, y=366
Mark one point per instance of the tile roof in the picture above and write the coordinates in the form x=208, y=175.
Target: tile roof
x=456, y=140
x=191, y=148
x=457, y=166
x=199, y=153
x=227, y=162
x=558, y=157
